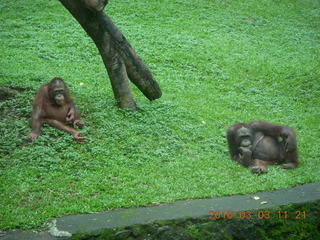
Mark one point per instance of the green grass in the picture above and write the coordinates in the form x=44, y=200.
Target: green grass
x=217, y=62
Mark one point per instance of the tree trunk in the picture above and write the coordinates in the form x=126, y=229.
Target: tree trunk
x=121, y=61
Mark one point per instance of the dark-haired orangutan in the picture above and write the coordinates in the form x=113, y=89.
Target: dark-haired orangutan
x=259, y=144
x=53, y=105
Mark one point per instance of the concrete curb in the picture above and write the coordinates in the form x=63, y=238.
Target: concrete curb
x=68, y=225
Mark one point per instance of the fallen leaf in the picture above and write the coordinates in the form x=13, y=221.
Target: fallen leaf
x=255, y=197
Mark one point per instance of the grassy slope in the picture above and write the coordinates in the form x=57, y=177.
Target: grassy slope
x=218, y=63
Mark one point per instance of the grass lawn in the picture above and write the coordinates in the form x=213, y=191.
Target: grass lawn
x=217, y=62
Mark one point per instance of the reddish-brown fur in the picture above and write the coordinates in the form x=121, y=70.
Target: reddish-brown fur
x=54, y=106
x=271, y=144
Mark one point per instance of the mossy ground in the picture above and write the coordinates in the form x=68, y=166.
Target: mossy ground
x=272, y=225
x=217, y=62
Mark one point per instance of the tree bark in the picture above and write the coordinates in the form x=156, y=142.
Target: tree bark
x=121, y=61
x=95, y=5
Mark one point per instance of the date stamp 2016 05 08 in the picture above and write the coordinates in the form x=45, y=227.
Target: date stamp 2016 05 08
x=261, y=214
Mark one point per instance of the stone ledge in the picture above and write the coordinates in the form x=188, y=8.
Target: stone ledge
x=122, y=220
x=297, y=221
